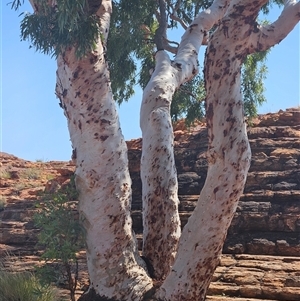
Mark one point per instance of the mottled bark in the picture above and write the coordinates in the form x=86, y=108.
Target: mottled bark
x=266, y=36
x=228, y=155
x=158, y=172
x=102, y=176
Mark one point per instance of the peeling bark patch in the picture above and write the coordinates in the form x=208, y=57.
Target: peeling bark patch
x=212, y=49
x=225, y=31
x=114, y=219
x=209, y=114
x=64, y=93
x=74, y=154
x=216, y=190
x=178, y=66
x=75, y=74
x=93, y=59
x=103, y=138
x=259, y=46
x=216, y=76
x=192, y=27
x=239, y=9
x=105, y=121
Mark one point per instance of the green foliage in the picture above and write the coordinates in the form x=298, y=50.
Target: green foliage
x=61, y=236
x=16, y=4
x=124, y=59
x=130, y=46
x=188, y=101
x=52, y=29
x=127, y=42
x=269, y=4
x=254, y=73
x=188, y=10
x=23, y=286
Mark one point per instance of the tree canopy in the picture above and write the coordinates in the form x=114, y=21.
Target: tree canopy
x=131, y=45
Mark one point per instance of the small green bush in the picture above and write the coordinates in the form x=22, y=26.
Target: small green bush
x=61, y=236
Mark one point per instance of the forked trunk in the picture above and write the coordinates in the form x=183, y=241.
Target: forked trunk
x=158, y=171
x=228, y=153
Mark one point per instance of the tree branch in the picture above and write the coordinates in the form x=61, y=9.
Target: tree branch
x=104, y=12
x=173, y=14
x=174, y=17
x=272, y=34
x=176, y=7
x=188, y=92
x=193, y=38
x=168, y=47
x=161, y=32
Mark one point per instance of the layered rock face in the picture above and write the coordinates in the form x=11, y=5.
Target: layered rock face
x=22, y=184
x=267, y=221
x=262, y=260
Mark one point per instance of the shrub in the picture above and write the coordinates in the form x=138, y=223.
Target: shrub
x=61, y=235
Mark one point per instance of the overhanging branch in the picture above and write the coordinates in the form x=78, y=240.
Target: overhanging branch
x=272, y=34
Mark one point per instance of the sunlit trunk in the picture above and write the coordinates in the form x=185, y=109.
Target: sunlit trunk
x=102, y=176
x=228, y=153
x=158, y=171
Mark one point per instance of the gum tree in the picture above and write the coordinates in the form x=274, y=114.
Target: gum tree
x=182, y=264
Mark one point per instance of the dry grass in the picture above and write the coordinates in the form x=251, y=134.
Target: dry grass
x=22, y=285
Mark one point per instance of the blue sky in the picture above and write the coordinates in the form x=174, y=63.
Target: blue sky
x=33, y=126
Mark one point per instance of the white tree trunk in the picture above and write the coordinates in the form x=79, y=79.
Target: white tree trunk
x=158, y=171
x=102, y=175
x=161, y=224
x=228, y=155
